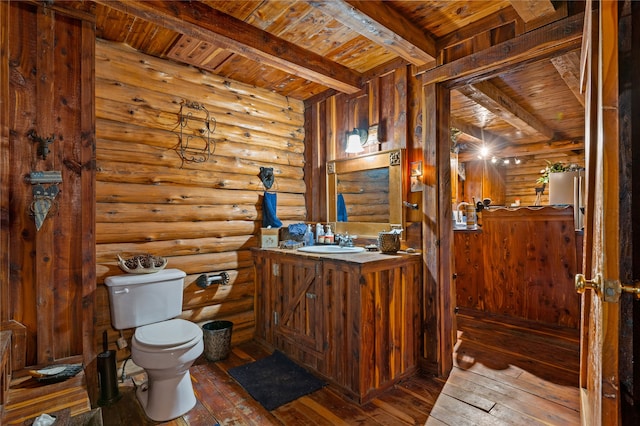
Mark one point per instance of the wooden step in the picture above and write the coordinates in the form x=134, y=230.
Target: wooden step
x=28, y=398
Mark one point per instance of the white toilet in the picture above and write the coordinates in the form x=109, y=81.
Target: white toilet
x=163, y=346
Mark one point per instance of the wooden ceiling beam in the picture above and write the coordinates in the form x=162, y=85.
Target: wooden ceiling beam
x=197, y=20
x=568, y=66
x=383, y=25
x=499, y=103
x=532, y=9
x=530, y=149
x=481, y=135
x=551, y=40
x=488, y=23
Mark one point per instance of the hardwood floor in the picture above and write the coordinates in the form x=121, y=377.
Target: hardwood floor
x=507, y=372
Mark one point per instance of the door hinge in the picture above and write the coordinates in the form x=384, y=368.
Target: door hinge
x=275, y=318
x=608, y=290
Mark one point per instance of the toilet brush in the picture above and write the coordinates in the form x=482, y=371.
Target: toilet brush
x=107, y=374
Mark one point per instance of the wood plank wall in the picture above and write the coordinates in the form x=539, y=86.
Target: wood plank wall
x=204, y=217
x=521, y=264
x=390, y=100
x=47, y=275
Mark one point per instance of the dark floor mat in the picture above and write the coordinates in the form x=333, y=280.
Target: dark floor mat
x=275, y=380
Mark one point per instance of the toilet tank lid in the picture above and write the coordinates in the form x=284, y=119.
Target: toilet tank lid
x=133, y=279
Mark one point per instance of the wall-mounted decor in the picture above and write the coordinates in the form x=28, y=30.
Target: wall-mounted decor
x=195, y=144
x=266, y=176
x=43, y=143
x=44, y=197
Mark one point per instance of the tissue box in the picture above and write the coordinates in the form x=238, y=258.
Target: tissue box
x=269, y=237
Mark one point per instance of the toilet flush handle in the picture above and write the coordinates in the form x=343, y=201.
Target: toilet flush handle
x=124, y=290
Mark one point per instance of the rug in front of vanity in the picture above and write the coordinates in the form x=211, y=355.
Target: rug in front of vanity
x=275, y=380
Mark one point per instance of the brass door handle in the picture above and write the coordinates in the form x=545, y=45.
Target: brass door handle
x=609, y=290
x=582, y=283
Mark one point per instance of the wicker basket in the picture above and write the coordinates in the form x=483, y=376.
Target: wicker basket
x=389, y=242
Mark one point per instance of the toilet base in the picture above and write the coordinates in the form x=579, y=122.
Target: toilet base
x=167, y=399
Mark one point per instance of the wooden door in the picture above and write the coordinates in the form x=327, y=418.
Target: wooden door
x=599, y=382
x=47, y=273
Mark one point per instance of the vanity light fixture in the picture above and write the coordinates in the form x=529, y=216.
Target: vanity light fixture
x=356, y=140
x=516, y=160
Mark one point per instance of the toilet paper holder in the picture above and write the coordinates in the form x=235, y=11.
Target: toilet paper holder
x=205, y=280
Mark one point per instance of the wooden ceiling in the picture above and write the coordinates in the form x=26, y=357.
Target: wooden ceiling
x=304, y=49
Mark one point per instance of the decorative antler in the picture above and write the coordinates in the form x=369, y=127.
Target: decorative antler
x=142, y=264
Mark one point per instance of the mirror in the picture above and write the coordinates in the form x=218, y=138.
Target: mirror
x=365, y=193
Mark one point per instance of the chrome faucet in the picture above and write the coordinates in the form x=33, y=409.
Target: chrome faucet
x=345, y=240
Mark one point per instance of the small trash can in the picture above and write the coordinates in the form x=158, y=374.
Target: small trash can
x=217, y=339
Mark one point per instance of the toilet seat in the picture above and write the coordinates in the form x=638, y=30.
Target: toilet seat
x=167, y=334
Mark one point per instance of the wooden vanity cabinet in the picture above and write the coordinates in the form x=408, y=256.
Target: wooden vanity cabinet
x=354, y=320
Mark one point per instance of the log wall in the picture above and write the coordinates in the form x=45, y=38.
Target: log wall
x=204, y=217
x=511, y=182
x=521, y=178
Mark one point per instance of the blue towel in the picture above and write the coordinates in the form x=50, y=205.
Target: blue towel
x=269, y=217
x=297, y=229
x=342, y=209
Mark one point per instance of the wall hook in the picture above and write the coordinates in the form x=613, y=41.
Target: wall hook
x=43, y=143
x=266, y=176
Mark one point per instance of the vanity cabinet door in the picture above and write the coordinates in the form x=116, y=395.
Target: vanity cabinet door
x=288, y=303
x=298, y=305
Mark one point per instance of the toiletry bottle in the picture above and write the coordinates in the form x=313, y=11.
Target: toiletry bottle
x=328, y=236
x=319, y=234
x=308, y=236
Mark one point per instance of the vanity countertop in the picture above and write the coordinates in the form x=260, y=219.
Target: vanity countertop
x=361, y=257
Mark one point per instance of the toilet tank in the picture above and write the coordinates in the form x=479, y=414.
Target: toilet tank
x=141, y=299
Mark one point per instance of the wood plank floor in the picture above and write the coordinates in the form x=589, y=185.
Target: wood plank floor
x=506, y=373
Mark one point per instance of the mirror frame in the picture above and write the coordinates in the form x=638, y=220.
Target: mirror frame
x=394, y=161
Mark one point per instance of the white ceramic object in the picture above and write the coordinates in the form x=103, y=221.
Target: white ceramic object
x=163, y=346
x=330, y=249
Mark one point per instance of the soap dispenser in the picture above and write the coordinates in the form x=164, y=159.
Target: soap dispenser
x=308, y=236
x=328, y=236
x=319, y=233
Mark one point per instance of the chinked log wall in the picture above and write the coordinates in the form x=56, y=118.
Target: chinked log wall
x=521, y=179
x=204, y=217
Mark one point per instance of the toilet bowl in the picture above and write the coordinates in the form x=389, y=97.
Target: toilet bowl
x=163, y=345
x=166, y=350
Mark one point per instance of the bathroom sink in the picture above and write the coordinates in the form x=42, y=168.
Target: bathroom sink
x=331, y=249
